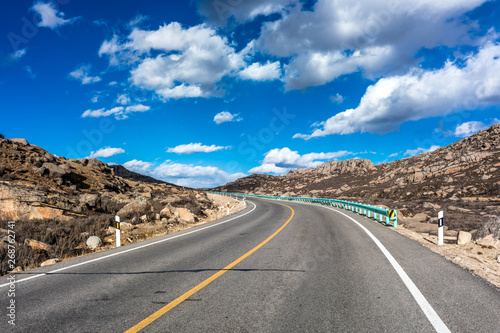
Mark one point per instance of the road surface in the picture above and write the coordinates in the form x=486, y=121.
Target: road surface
x=274, y=267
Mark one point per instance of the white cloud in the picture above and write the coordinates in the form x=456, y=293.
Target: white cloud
x=123, y=99
x=137, y=108
x=224, y=116
x=469, y=128
x=377, y=38
x=280, y=161
x=337, y=99
x=82, y=74
x=50, y=16
x=103, y=112
x=184, y=174
x=393, y=155
x=257, y=72
x=188, y=62
x=138, y=166
x=421, y=94
x=196, y=148
x=242, y=10
x=106, y=152
x=413, y=152
x=19, y=54
x=118, y=112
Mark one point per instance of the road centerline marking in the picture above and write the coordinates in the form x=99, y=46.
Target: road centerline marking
x=135, y=248
x=183, y=297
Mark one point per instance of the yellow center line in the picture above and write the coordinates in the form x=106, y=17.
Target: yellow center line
x=202, y=285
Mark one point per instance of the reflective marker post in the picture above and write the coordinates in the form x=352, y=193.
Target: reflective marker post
x=228, y=208
x=117, y=226
x=440, y=228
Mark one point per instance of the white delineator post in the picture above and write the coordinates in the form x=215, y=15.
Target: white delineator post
x=440, y=228
x=228, y=208
x=118, y=238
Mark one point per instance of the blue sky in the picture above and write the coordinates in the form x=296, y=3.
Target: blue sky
x=203, y=92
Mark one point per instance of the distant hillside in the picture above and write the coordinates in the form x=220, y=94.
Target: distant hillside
x=58, y=203
x=462, y=177
x=123, y=172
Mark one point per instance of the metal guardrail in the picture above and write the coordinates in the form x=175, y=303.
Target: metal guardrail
x=377, y=213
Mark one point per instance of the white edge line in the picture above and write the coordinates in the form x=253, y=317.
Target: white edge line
x=429, y=312
x=128, y=250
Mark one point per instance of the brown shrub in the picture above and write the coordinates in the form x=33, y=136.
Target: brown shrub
x=64, y=237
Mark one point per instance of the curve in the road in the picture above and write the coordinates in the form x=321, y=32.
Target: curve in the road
x=430, y=313
x=127, y=250
x=185, y=296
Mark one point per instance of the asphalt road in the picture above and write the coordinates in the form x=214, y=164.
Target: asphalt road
x=321, y=272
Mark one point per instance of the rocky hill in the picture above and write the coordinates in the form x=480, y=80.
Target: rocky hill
x=462, y=178
x=58, y=203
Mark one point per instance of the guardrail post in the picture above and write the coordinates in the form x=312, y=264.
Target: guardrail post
x=118, y=235
x=440, y=229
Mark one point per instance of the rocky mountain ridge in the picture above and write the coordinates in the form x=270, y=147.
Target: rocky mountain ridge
x=58, y=203
x=462, y=178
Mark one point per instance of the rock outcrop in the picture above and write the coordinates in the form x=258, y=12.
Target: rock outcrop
x=463, y=179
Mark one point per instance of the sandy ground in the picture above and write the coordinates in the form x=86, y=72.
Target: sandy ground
x=476, y=259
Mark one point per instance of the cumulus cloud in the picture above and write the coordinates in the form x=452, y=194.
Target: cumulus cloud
x=337, y=37
x=123, y=99
x=138, y=166
x=469, y=128
x=419, y=94
x=118, y=112
x=106, y=152
x=50, y=16
x=258, y=72
x=224, y=117
x=82, y=74
x=280, y=161
x=196, y=148
x=188, y=175
x=413, y=152
x=174, y=61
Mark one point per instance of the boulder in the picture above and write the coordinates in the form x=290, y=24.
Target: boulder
x=48, y=157
x=421, y=227
x=49, y=262
x=167, y=211
x=53, y=170
x=429, y=205
x=90, y=200
x=464, y=238
x=37, y=244
x=419, y=218
x=185, y=214
x=23, y=142
x=489, y=242
x=94, y=242
x=140, y=205
x=492, y=227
